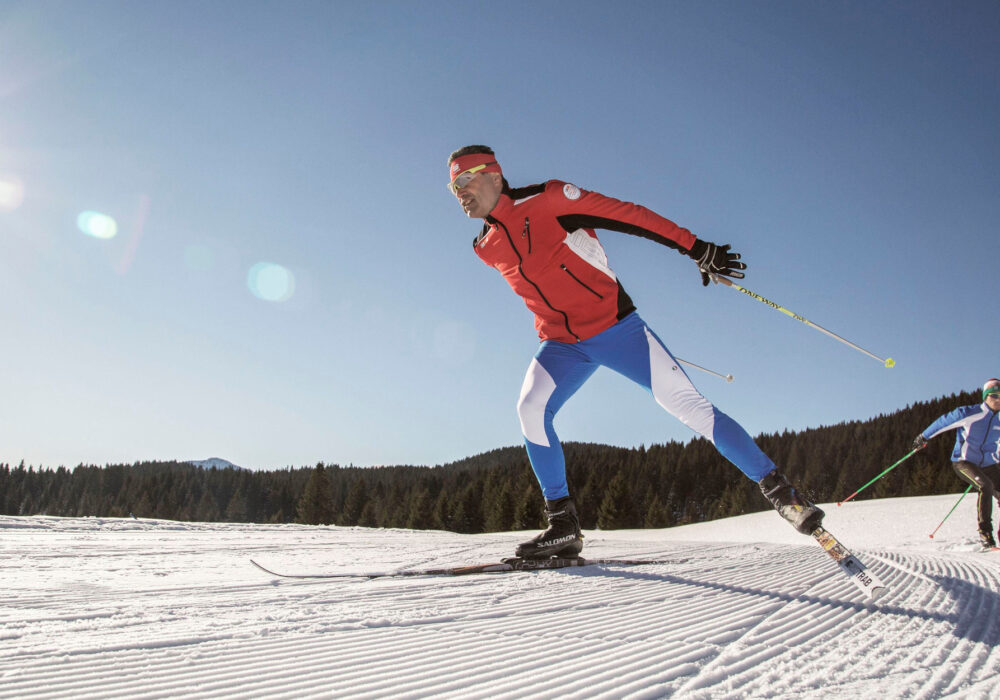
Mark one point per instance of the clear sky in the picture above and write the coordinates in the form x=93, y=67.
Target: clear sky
x=289, y=281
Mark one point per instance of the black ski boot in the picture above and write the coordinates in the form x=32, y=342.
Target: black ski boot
x=790, y=504
x=986, y=539
x=562, y=538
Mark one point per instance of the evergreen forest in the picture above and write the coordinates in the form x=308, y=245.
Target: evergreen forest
x=614, y=487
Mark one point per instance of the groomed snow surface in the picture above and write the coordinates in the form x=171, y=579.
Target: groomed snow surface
x=747, y=608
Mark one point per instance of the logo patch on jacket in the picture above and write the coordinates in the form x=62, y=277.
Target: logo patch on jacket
x=571, y=191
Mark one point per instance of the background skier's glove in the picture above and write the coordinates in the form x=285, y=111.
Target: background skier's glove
x=919, y=442
x=715, y=259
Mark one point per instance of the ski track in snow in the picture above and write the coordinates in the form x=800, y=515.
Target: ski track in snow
x=103, y=608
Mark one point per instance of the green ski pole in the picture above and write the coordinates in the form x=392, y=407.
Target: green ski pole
x=969, y=488
x=908, y=455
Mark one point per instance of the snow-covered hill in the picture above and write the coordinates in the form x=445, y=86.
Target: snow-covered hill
x=107, y=608
x=216, y=462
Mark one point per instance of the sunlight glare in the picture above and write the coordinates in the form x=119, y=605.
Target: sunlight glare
x=271, y=282
x=11, y=192
x=97, y=225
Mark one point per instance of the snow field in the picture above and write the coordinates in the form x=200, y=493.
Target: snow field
x=746, y=608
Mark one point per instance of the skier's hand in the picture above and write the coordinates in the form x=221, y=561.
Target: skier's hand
x=715, y=260
x=919, y=442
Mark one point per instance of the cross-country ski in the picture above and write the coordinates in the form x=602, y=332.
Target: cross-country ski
x=507, y=565
x=863, y=578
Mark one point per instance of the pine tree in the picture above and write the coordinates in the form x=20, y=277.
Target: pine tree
x=657, y=515
x=316, y=505
x=613, y=510
x=499, y=510
x=467, y=514
x=354, y=504
x=420, y=516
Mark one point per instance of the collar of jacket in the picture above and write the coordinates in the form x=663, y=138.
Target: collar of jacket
x=503, y=209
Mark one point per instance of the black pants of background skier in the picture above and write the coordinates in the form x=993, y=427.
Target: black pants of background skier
x=985, y=479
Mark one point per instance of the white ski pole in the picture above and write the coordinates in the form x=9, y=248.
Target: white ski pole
x=727, y=377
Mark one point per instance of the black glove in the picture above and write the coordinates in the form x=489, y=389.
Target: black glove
x=919, y=442
x=715, y=259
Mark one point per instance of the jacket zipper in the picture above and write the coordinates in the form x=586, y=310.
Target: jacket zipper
x=520, y=270
x=581, y=282
x=526, y=233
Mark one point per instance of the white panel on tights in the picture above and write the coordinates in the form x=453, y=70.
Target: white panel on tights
x=675, y=392
x=535, y=393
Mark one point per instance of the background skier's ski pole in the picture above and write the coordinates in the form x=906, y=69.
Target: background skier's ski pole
x=727, y=377
x=951, y=511
x=908, y=455
x=888, y=362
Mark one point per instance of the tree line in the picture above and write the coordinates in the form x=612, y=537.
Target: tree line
x=615, y=487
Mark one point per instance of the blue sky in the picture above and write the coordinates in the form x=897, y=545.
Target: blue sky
x=850, y=151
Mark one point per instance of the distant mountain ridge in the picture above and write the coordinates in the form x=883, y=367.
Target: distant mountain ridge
x=216, y=462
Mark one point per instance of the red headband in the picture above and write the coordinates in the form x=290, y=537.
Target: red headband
x=463, y=163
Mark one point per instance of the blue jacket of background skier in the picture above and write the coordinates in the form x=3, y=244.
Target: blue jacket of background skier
x=978, y=439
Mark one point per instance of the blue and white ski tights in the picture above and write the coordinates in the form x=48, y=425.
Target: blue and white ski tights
x=630, y=348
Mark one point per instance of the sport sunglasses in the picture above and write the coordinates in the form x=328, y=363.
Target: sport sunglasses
x=465, y=177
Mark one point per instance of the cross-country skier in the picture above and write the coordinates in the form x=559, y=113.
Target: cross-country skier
x=977, y=451
x=541, y=239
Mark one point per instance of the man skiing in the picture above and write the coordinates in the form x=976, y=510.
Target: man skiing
x=977, y=451
x=541, y=239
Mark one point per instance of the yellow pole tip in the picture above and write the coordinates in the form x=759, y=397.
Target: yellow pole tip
x=890, y=362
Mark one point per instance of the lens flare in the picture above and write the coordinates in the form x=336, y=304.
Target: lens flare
x=11, y=192
x=271, y=282
x=97, y=225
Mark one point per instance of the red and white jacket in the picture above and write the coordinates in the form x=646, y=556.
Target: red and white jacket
x=541, y=239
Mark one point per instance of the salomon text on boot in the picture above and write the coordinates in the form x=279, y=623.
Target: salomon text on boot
x=790, y=504
x=562, y=538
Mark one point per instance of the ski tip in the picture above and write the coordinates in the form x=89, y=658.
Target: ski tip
x=264, y=568
x=876, y=593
